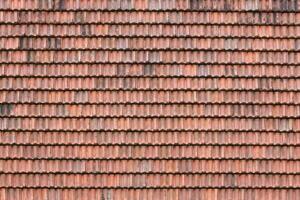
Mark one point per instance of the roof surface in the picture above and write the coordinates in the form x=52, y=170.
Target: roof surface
x=150, y=99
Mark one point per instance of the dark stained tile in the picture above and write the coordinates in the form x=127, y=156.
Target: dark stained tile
x=148, y=70
x=6, y=109
x=195, y=4
x=61, y=4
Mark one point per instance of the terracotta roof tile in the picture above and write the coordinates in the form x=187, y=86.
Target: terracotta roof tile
x=147, y=99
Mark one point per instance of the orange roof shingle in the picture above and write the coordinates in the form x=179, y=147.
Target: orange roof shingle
x=147, y=99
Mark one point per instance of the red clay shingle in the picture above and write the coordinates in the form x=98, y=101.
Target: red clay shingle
x=148, y=99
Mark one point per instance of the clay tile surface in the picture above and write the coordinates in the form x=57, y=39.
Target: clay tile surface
x=150, y=99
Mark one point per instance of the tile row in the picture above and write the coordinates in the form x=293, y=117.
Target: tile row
x=161, y=56
x=158, y=110
x=150, y=166
x=151, y=124
x=89, y=30
x=149, y=180
x=164, y=97
x=151, y=138
x=149, y=194
x=145, y=83
x=149, y=70
x=116, y=152
x=150, y=44
x=168, y=17
x=223, y=5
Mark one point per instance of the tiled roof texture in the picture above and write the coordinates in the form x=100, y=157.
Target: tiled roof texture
x=150, y=99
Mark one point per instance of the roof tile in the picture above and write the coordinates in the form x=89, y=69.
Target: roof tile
x=147, y=99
